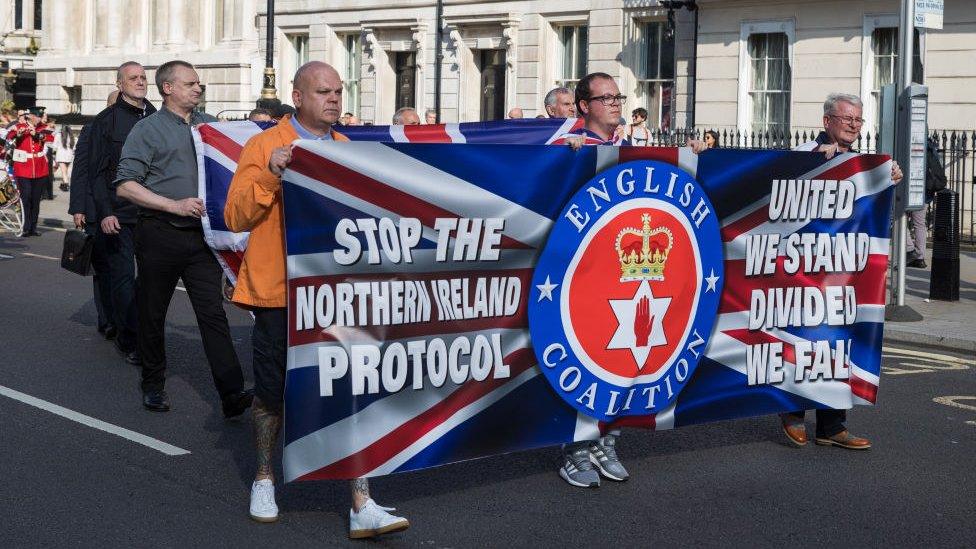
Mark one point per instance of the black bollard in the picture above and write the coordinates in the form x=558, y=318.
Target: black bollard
x=944, y=278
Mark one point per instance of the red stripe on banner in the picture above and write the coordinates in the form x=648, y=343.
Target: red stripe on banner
x=841, y=171
x=745, y=224
x=366, y=188
x=427, y=133
x=384, y=449
x=233, y=259
x=864, y=389
x=869, y=284
x=227, y=146
x=435, y=326
x=860, y=387
x=644, y=422
x=668, y=155
x=858, y=164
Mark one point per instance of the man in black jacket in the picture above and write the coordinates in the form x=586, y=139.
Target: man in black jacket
x=117, y=217
x=81, y=205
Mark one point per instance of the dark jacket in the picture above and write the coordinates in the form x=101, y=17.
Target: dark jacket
x=109, y=130
x=81, y=199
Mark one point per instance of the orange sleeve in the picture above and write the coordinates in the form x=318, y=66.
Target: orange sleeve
x=253, y=189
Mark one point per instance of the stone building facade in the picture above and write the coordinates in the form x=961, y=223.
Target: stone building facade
x=86, y=40
x=760, y=64
x=21, y=31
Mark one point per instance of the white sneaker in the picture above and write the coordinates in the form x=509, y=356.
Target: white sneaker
x=374, y=520
x=263, y=507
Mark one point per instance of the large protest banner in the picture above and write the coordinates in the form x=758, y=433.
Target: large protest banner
x=450, y=302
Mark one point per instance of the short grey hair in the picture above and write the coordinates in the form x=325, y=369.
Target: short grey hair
x=550, y=99
x=430, y=112
x=123, y=66
x=398, y=116
x=835, y=98
x=164, y=73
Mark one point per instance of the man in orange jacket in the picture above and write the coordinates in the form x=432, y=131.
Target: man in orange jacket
x=254, y=204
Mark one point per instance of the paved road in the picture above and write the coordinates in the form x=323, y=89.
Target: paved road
x=733, y=483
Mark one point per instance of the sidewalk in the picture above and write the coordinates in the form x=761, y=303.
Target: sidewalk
x=946, y=323
x=950, y=324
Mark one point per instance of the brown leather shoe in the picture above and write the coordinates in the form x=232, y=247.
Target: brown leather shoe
x=795, y=429
x=845, y=440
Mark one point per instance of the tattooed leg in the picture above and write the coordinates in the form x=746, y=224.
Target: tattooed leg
x=267, y=424
x=360, y=493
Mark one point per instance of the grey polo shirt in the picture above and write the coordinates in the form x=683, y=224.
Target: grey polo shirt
x=159, y=154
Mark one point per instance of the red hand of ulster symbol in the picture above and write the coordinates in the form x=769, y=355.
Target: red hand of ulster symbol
x=642, y=322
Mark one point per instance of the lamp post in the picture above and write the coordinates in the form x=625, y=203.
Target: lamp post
x=690, y=5
x=269, y=91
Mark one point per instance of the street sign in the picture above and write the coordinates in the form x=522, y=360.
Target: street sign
x=928, y=14
x=910, y=147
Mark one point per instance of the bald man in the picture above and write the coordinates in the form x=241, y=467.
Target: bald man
x=254, y=204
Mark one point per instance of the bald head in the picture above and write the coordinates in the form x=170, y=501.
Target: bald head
x=312, y=72
x=317, y=96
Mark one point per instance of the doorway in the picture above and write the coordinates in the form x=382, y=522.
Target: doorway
x=492, y=65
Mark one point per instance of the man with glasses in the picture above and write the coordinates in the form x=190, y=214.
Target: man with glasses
x=598, y=102
x=842, y=126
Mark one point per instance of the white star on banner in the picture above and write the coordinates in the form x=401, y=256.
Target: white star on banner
x=545, y=290
x=626, y=311
x=711, y=279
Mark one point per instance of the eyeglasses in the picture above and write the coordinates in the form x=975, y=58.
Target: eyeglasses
x=608, y=100
x=849, y=120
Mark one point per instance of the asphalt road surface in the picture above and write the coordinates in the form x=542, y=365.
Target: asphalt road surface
x=185, y=483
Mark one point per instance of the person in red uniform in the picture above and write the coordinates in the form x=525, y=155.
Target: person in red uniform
x=31, y=168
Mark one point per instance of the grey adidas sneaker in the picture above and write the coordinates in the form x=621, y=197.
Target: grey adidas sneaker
x=603, y=454
x=577, y=469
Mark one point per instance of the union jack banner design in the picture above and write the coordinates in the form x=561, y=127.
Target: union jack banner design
x=219, y=146
x=380, y=297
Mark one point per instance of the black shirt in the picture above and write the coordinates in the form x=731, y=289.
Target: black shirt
x=110, y=128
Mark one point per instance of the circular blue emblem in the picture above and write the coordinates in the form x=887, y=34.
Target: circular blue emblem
x=626, y=290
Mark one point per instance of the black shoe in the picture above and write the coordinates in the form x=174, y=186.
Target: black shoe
x=235, y=404
x=109, y=332
x=918, y=264
x=155, y=401
x=33, y=233
x=133, y=358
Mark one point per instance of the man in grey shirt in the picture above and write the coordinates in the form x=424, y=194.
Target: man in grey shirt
x=158, y=172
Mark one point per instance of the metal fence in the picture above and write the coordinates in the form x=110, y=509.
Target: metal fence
x=957, y=149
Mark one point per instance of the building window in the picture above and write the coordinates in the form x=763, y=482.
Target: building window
x=406, y=75
x=884, y=52
x=299, y=42
x=73, y=94
x=655, y=74
x=18, y=14
x=351, y=72
x=573, y=41
x=37, y=14
x=770, y=81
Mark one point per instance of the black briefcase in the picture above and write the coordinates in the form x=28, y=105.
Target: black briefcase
x=77, y=252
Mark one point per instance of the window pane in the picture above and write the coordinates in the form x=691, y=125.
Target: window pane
x=667, y=55
x=18, y=14
x=758, y=75
x=652, y=51
x=582, y=48
x=37, y=14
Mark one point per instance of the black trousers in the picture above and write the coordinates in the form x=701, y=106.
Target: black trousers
x=269, y=339
x=165, y=254
x=101, y=278
x=30, y=199
x=122, y=273
x=829, y=422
